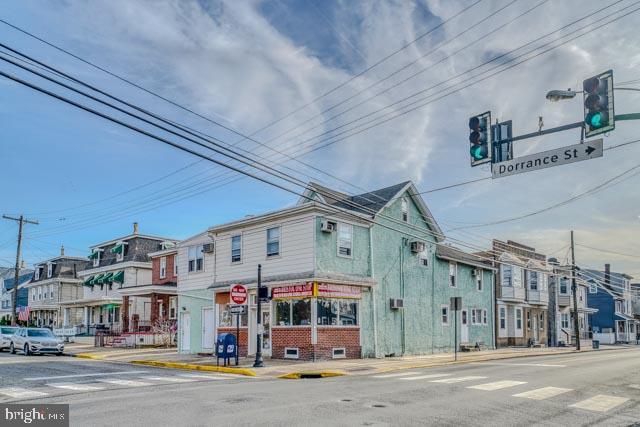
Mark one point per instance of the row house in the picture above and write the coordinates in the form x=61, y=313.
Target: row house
x=347, y=277
x=7, y=289
x=521, y=294
x=55, y=282
x=562, y=330
x=115, y=268
x=610, y=293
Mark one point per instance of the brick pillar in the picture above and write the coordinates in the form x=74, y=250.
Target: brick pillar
x=154, y=308
x=165, y=306
x=125, y=314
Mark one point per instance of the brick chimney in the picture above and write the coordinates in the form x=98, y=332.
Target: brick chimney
x=135, y=228
x=607, y=274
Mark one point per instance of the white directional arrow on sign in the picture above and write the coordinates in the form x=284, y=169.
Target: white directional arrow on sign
x=547, y=159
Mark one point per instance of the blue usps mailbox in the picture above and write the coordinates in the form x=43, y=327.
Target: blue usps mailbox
x=225, y=348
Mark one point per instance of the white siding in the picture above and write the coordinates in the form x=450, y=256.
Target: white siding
x=296, y=250
x=195, y=279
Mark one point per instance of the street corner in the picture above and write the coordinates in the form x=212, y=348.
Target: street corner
x=311, y=375
x=92, y=356
x=196, y=367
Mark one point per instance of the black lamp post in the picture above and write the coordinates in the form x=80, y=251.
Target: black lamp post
x=259, y=362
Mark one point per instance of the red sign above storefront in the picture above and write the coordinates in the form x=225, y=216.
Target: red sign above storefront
x=302, y=290
x=238, y=294
x=330, y=290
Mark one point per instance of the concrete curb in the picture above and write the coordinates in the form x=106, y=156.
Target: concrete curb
x=87, y=356
x=194, y=367
x=311, y=374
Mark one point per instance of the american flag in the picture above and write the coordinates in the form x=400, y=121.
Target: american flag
x=23, y=313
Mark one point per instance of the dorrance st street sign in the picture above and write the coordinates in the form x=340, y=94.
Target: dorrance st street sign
x=546, y=159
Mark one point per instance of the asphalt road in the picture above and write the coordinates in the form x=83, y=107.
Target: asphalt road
x=597, y=388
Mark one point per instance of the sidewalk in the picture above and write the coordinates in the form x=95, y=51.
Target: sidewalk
x=275, y=368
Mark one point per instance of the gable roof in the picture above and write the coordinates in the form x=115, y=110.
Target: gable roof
x=616, y=280
x=372, y=203
x=452, y=254
x=23, y=278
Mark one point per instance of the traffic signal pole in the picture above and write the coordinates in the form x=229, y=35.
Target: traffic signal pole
x=574, y=291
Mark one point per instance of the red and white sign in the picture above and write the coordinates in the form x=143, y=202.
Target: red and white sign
x=329, y=290
x=238, y=294
x=302, y=290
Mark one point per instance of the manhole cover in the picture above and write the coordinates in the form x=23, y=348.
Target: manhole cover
x=345, y=400
x=378, y=405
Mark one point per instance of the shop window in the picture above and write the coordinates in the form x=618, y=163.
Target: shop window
x=348, y=313
x=273, y=242
x=283, y=313
x=341, y=312
x=301, y=312
x=327, y=312
x=236, y=248
x=345, y=239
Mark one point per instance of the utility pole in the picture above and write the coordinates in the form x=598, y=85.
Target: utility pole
x=574, y=291
x=259, y=362
x=14, y=298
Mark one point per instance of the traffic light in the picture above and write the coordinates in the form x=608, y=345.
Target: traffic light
x=480, y=139
x=598, y=104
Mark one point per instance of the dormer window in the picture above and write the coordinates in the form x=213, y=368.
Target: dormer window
x=49, y=270
x=120, y=250
x=95, y=257
x=36, y=274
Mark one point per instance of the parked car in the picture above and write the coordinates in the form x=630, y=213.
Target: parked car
x=36, y=341
x=5, y=336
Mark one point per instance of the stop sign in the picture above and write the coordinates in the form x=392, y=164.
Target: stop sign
x=238, y=294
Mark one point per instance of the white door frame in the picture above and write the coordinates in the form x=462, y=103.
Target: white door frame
x=183, y=335
x=252, y=331
x=204, y=323
x=464, y=325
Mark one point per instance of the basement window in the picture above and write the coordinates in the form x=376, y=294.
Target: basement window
x=339, y=353
x=291, y=353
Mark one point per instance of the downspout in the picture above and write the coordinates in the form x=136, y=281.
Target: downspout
x=402, y=328
x=493, y=309
x=373, y=295
x=434, y=312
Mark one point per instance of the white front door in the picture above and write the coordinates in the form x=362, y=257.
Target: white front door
x=464, y=327
x=207, y=328
x=185, y=331
x=265, y=337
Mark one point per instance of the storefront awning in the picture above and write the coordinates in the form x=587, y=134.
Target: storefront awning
x=88, y=281
x=118, y=277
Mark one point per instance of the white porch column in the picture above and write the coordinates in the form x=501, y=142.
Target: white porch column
x=65, y=317
x=86, y=316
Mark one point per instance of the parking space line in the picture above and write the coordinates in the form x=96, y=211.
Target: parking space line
x=543, y=393
x=600, y=403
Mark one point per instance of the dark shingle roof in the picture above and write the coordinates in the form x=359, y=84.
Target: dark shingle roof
x=8, y=283
x=362, y=203
x=451, y=253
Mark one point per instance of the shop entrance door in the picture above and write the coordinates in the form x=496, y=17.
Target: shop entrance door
x=464, y=327
x=265, y=338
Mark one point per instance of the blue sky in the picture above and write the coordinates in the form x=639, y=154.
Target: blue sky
x=247, y=64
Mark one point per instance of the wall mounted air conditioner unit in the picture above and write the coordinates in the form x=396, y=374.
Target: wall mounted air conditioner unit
x=417, y=247
x=396, y=303
x=475, y=272
x=208, y=248
x=328, y=226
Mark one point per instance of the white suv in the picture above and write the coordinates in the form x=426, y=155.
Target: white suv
x=5, y=336
x=35, y=341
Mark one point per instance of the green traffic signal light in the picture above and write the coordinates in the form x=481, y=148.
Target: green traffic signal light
x=597, y=119
x=479, y=152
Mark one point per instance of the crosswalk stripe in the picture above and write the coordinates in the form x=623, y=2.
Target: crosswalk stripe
x=399, y=374
x=18, y=393
x=169, y=379
x=600, y=403
x=424, y=377
x=457, y=379
x=543, y=393
x=497, y=385
x=204, y=376
x=75, y=386
x=127, y=383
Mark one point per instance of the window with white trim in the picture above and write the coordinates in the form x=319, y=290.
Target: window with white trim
x=593, y=288
x=49, y=270
x=173, y=307
x=479, y=274
x=519, y=318
x=453, y=272
x=96, y=259
x=236, y=248
x=484, y=317
x=476, y=316
x=528, y=319
x=175, y=265
x=39, y=293
x=273, y=241
x=541, y=322
x=506, y=275
x=36, y=274
x=163, y=267
x=533, y=280
x=423, y=257
x=196, y=258
x=405, y=210
x=564, y=320
x=345, y=239
x=503, y=318
x=564, y=288
x=445, y=315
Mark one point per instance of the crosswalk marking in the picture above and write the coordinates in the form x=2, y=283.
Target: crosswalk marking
x=74, y=386
x=600, y=403
x=204, y=376
x=457, y=379
x=543, y=393
x=398, y=374
x=169, y=379
x=21, y=393
x=127, y=383
x=497, y=385
x=424, y=377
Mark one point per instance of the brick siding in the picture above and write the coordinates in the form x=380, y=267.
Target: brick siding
x=155, y=270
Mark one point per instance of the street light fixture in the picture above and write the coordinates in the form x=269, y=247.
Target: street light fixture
x=560, y=95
